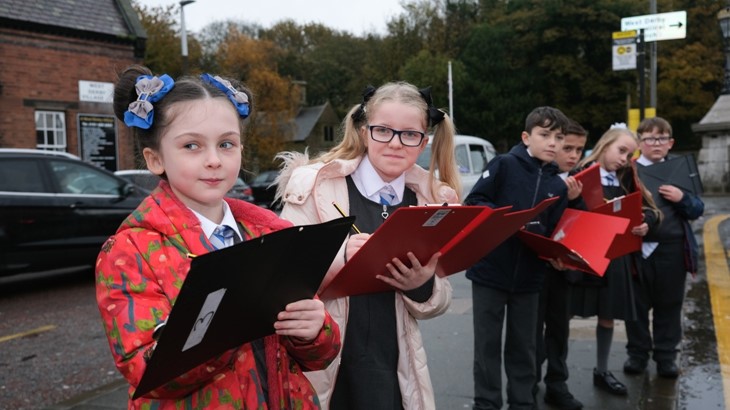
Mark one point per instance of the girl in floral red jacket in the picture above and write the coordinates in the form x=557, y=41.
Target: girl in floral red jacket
x=189, y=133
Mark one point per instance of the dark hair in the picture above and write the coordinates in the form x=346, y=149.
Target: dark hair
x=546, y=117
x=575, y=129
x=648, y=125
x=185, y=89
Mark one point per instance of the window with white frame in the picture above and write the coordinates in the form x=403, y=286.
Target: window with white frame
x=50, y=130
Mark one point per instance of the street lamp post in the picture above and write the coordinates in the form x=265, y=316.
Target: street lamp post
x=723, y=16
x=184, y=35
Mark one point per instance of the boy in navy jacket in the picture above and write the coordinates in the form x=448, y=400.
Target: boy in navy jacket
x=511, y=276
x=669, y=252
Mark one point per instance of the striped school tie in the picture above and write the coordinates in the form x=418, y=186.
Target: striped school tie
x=610, y=180
x=387, y=195
x=222, y=237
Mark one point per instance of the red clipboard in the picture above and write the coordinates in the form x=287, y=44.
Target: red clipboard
x=467, y=232
x=471, y=245
x=629, y=207
x=592, y=191
x=422, y=230
x=581, y=240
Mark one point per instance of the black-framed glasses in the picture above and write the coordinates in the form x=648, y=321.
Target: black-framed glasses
x=408, y=138
x=656, y=140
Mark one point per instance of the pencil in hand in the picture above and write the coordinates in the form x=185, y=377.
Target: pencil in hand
x=354, y=228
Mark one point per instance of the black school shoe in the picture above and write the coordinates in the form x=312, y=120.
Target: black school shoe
x=634, y=365
x=667, y=369
x=609, y=383
x=562, y=399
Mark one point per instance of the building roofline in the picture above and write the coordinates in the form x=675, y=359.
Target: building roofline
x=129, y=14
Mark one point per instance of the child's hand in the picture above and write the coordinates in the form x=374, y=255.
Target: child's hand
x=354, y=243
x=302, y=319
x=671, y=193
x=404, y=278
x=640, y=230
x=575, y=187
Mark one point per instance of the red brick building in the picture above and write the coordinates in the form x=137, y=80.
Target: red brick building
x=59, y=60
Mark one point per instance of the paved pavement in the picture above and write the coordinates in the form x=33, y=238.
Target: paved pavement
x=449, y=339
x=647, y=392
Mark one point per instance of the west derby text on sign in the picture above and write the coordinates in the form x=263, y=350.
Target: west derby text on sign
x=657, y=27
x=95, y=91
x=624, y=50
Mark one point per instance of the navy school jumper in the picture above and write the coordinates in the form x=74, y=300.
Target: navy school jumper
x=519, y=180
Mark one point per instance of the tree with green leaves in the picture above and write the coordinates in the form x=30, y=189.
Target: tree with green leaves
x=690, y=70
x=507, y=58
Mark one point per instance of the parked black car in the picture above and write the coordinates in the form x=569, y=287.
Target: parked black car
x=57, y=210
x=140, y=177
x=264, y=190
x=241, y=190
x=148, y=182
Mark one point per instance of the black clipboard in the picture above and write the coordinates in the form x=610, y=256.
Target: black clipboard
x=248, y=283
x=679, y=171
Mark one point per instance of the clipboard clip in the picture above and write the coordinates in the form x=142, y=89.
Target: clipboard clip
x=445, y=204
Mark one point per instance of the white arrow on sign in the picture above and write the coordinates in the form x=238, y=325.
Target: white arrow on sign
x=657, y=27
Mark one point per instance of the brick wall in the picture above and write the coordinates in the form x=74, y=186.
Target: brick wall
x=42, y=72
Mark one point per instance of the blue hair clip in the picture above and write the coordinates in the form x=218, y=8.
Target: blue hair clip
x=238, y=98
x=150, y=89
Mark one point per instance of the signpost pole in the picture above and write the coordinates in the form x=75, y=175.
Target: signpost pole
x=653, y=65
x=641, y=57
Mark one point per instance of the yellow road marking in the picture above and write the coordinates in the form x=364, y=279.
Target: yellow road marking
x=28, y=333
x=718, y=281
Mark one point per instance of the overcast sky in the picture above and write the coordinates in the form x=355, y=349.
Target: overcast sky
x=357, y=17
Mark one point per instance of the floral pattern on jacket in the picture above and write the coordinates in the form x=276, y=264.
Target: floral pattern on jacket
x=139, y=273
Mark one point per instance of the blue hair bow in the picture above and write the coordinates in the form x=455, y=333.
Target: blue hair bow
x=238, y=98
x=150, y=89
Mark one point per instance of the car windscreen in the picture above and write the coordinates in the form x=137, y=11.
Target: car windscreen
x=424, y=160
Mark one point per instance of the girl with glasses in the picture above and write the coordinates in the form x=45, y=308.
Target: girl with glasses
x=369, y=174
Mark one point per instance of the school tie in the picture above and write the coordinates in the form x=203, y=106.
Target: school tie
x=610, y=180
x=387, y=195
x=222, y=237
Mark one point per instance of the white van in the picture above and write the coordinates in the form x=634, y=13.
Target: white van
x=472, y=155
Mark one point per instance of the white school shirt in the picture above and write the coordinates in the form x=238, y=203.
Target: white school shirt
x=612, y=173
x=369, y=183
x=647, y=248
x=228, y=220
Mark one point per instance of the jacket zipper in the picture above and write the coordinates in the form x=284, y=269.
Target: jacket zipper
x=537, y=187
x=519, y=250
